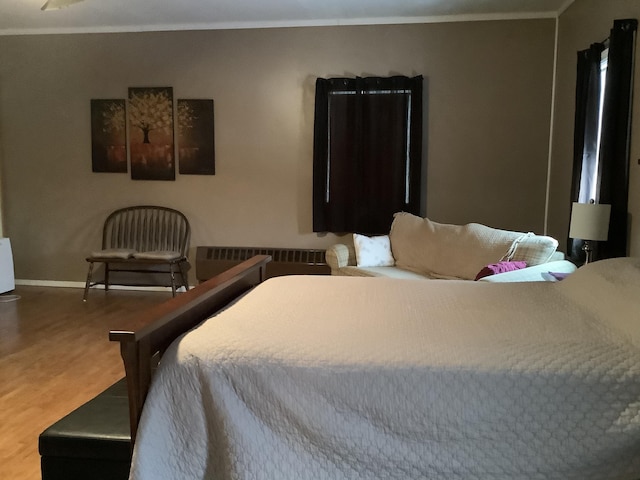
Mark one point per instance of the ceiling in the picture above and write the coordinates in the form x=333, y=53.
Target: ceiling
x=26, y=16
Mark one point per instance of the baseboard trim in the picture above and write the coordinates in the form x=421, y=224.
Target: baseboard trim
x=66, y=284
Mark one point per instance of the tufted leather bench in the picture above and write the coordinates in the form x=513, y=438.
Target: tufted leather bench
x=91, y=443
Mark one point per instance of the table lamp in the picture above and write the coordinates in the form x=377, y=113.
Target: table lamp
x=589, y=222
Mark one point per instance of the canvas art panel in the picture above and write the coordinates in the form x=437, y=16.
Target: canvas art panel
x=151, y=140
x=108, y=136
x=196, y=144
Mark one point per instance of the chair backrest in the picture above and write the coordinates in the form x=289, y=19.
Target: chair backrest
x=147, y=228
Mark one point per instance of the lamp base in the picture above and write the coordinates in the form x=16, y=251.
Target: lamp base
x=588, y=251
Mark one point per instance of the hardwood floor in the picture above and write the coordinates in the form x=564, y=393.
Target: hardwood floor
x=55, y=355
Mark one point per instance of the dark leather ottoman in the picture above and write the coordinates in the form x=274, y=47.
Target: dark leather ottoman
x=91, y=443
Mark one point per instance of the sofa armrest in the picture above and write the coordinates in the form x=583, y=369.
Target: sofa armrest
x=340, y=255
x=536, y=273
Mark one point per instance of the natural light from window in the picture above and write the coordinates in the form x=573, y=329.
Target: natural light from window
x=604, y=63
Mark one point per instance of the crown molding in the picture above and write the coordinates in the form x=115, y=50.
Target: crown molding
x=283, y=24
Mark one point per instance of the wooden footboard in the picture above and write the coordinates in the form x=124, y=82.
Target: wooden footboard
x=145, y=337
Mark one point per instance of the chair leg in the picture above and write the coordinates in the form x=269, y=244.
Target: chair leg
x=88, y=284
x=173, y=279
x=106, y=276
x=183, y=275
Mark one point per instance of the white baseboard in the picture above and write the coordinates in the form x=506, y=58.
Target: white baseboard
x=65, y=284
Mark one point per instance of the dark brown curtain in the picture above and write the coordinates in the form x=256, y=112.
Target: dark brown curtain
x=611, y=176
x=367, y=152
x=616, y=136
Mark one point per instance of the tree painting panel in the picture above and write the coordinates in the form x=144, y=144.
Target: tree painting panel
x=151, y=133
x=108, y=136
x=196, y=146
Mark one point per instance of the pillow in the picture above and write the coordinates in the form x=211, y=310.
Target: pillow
x=160, y=255
x=500, y=267
x=533, y=249
x=446, y=251
x=114, y=253
x=373, y=251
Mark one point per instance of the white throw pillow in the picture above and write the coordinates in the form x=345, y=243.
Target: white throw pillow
x=373, y=251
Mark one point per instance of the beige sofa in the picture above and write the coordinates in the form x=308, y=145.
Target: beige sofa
x=420, y=248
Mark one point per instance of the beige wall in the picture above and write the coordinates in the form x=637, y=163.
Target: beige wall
x=487, y=115
x=583, y=23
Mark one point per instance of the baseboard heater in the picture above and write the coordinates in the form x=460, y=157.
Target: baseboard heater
x=211, y=261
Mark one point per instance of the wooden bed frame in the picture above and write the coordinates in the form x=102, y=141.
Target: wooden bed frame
x=144, y=338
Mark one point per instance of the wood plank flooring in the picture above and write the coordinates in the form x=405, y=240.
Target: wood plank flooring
x=55, y=355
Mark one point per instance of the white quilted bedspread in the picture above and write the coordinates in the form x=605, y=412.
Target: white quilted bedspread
x=376, y=378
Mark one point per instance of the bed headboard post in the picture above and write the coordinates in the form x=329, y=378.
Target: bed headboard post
x=146, y=336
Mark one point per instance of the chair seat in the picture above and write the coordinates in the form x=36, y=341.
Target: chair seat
x=113, y=253
x=162, y=255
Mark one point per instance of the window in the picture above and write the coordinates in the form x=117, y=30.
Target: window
x=367, y=152
x=604, y=63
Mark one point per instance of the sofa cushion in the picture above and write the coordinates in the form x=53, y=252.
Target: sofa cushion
x=447, y=251
x=373, y=251
x=388, y=272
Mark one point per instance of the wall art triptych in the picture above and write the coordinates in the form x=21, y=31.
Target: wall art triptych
x=145, y=124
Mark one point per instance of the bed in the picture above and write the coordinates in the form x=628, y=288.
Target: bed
x=314, y=377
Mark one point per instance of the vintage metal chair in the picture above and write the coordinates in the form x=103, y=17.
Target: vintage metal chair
x=143, y=239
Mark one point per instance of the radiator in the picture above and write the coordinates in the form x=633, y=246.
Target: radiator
x=211, y=261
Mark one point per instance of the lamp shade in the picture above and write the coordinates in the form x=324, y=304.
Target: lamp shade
x=590, y=221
